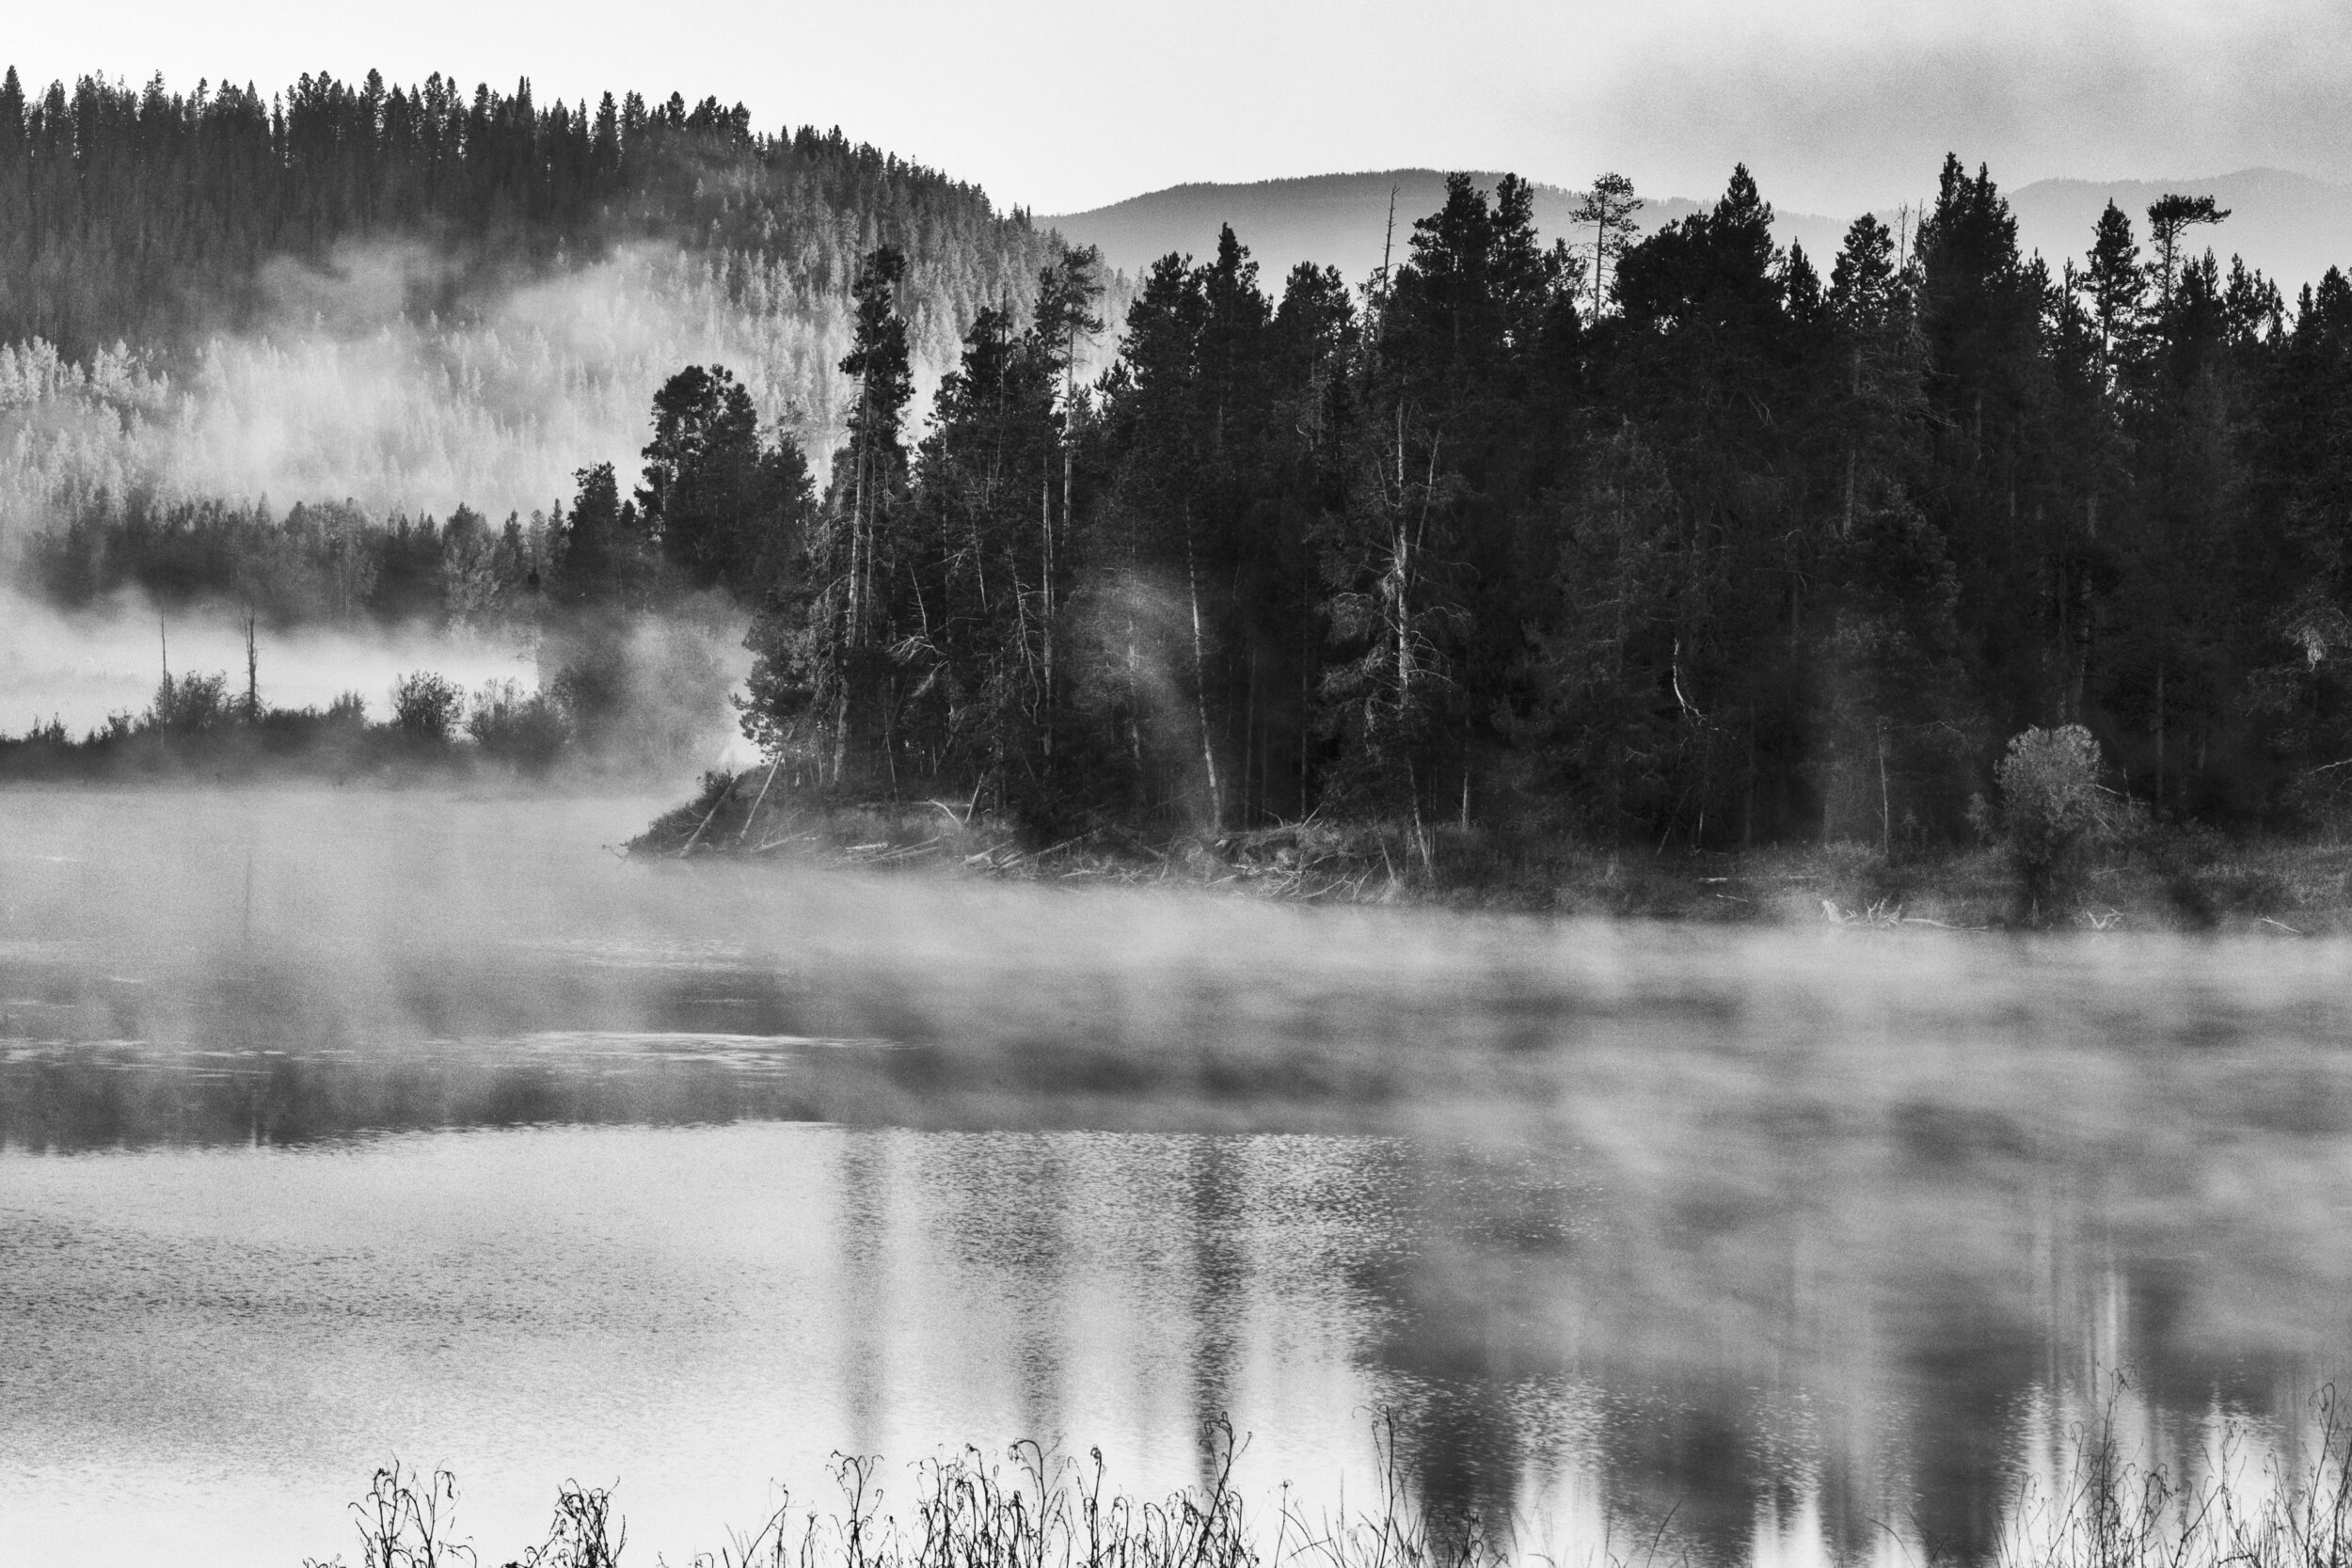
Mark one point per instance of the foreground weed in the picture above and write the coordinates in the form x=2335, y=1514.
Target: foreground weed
x=1034, y=1508
x=584, y=1534
x=407, y=1520
x=2110, y=1510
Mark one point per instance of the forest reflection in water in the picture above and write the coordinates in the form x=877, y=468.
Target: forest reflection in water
x=1743, y=1246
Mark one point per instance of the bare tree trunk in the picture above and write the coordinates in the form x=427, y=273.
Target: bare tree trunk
x=1886, y=817
x=1400, y=572
x=1021, y=619
x=1306, y=701
x=1466, y=772
x=1412, y=798
x=1844, y=525
x=1400, y=575
x=860, y=552
x=1199, y=681
x=2079, y=607
x=1045, y=509
x=840, y=731
x=857, y=546
x=1248, y=734
x=1134, y=701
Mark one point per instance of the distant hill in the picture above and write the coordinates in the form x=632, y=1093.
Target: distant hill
x=2291, y=226
x=378, y=299
x=1335, y=219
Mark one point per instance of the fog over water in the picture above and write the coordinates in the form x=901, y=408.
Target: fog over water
x=78, y=667
x=334, y=1124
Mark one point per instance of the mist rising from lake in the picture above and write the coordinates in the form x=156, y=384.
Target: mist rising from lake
x=338, y=1124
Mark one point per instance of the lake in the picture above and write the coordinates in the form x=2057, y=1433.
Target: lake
x=337, y=1126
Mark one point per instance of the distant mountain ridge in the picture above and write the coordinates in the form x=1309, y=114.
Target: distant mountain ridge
x=2292, y=225
x=1336, y=220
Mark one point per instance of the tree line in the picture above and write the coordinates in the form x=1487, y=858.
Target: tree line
x=1686, y=539
x=327, y=562
x=1675, y=539
x=144, y=214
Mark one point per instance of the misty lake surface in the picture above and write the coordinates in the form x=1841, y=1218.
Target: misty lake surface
x=340, y=1125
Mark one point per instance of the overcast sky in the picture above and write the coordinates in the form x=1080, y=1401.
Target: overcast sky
x=1059, y=105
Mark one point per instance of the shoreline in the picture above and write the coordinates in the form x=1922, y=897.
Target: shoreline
x=2172, y=879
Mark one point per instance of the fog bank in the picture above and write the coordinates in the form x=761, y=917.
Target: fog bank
x=355, y=390
x=79, y=668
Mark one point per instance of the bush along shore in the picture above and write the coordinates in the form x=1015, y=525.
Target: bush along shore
x=196, y=727
x=2100, y=1506
x=2055, y=850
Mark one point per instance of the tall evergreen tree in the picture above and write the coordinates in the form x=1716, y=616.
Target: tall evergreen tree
x=825, y=672
x=725, y=507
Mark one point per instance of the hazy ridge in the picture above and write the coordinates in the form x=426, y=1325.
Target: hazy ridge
x=2290, y=226
x=1328, y=219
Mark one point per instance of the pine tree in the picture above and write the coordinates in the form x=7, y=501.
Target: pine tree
x=2170, y=218
x=723, y=506
x=2116, y=287
x=824, y=673
x=1064, y=319
x=1610, y=208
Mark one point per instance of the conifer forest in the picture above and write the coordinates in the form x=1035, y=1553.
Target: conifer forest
x=1677, y=538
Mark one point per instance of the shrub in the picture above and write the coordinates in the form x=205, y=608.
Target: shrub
x=2053, y=812
x=525, y=730
x=190, y=704
x=425, y=706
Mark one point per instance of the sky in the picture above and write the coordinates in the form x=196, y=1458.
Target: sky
x=1060, y=105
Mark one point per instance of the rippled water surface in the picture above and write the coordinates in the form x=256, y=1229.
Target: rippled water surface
x=335, y=1127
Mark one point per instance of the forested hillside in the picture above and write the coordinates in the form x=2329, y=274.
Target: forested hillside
x=417, y=298
x=141, y=215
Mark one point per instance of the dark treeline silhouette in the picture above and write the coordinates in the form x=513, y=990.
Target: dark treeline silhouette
x=1710, y=549
x=199, y=722
x=137, y=214
x=317, y=563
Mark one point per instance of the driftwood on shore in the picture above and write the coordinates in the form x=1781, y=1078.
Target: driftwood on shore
x=746, y=815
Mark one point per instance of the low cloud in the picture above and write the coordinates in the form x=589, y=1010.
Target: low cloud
x=79, y=667
x=359, y=389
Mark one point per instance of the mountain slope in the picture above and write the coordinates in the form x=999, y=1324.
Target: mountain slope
x=391, y=297
x=1335, y=219
x=2291, y=226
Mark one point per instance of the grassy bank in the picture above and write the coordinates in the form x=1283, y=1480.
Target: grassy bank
x=2160, y=878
